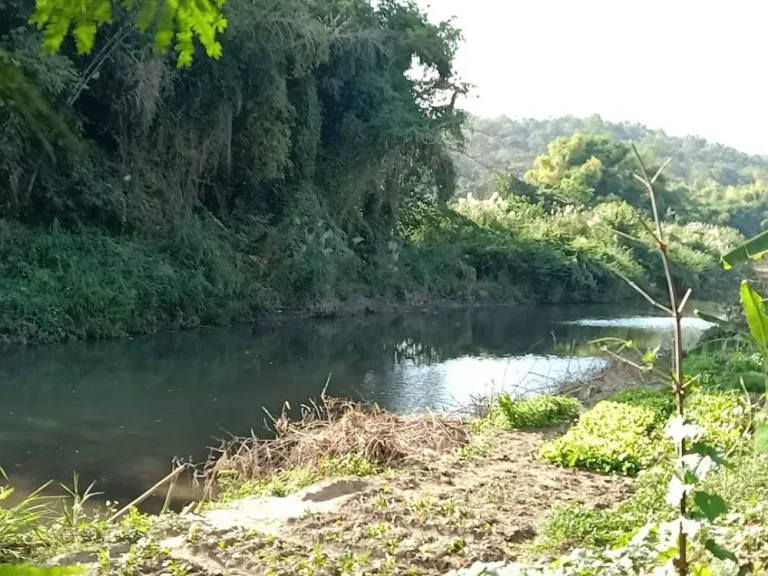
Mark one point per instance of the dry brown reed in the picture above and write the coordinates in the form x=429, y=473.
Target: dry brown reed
x=335, y=428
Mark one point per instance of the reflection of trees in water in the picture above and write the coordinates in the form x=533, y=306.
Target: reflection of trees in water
x=130, y=402
x=297, y=350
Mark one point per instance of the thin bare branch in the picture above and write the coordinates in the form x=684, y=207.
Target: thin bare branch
x=625, y=235
x=684, y=301
x=660, y=170
x=642, y=292
x=626, y=361
x=652, y=194
x=650, y=231
x=639, y=158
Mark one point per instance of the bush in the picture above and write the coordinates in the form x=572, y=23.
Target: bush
x=661, y=401
x=723, y=416
x=611, y=437
x=726, y=371
x=537, y=412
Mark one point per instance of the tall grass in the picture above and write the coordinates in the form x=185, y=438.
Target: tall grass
x=19, y=523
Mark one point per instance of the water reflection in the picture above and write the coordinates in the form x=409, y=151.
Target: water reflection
x=117, y=412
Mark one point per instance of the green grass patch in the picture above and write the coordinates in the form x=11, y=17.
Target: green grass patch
x=287, y=482
x=537, y=412
x=578, y=525
x=611, y=437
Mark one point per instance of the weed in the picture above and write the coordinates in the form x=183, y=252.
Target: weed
x=537, y=412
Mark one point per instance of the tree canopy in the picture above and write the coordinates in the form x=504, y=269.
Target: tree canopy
x=580, y=160
x=179, y=20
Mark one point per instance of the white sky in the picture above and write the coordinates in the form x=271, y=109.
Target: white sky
x=538, y=58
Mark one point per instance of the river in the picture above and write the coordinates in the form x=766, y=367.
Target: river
x=118, y=411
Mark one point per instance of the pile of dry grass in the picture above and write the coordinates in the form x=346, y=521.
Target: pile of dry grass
x=334, y=428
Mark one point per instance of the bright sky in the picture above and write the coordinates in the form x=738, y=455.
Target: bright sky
x=689, y=67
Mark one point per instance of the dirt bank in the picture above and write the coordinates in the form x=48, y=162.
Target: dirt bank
x=468, y=496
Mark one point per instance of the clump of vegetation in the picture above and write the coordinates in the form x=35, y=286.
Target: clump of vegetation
x=724, y=417
x=537, y=412
x=611, y=437
x=658, y=400
x=331, y=437
x=625, y=434
x=728, y=370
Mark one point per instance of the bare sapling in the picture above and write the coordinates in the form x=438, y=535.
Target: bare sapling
x=693, y=458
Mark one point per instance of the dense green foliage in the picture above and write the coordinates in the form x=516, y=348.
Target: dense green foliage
x=707, y=182
x=727, y=370
x=308, y=167
x=611, y=437
x=536, y=412
x=183, y=19
x=625, y=434
x=728, y=424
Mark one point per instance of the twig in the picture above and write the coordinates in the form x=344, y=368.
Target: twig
x=146, y=494
x=168, y=495
x=642, y=292
x=684, y=301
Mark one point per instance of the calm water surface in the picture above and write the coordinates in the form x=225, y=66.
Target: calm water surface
x=118, y=411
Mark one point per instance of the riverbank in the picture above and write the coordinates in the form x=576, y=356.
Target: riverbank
x=350, y=489
x=62, y=285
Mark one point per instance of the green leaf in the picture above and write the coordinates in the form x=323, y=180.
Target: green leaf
x=754, y=310
x=711, y=505
x=713, y=319
x=719, y=552
x=707, y=449
x=752, y=249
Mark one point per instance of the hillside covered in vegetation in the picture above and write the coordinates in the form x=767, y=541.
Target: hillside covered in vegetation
x=309, y=167
x=714, y=183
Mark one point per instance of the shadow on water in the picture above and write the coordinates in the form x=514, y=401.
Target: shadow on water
x=118, y=411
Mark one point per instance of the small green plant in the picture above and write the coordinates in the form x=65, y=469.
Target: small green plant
x=537, y=412
x=17, y=522
x=611, y=437
x=74, y=507
x=353, y=464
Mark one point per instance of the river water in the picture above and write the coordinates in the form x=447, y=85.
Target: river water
x=117, y=412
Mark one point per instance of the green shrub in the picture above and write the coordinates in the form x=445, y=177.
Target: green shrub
x=723, y=416
x=611, y=437
x=727, y=370
x=537, y=412
x=661, y=401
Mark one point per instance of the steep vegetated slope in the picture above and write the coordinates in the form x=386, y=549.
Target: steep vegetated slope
x=309, y=167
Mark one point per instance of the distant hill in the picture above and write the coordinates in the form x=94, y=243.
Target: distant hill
x=510, y=145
